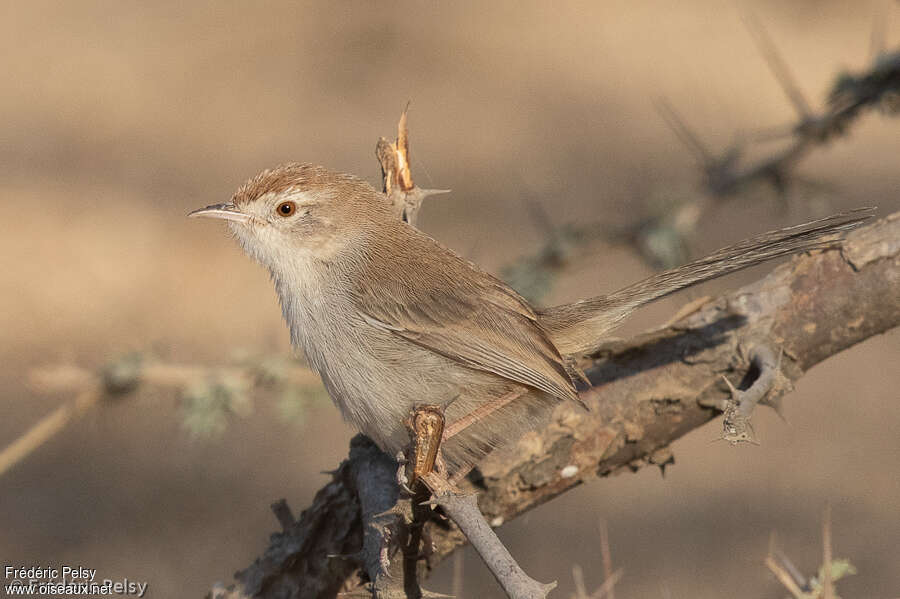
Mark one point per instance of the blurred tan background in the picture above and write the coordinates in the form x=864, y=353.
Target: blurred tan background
x=118, y=118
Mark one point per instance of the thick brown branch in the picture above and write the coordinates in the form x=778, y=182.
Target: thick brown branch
x=645, y=393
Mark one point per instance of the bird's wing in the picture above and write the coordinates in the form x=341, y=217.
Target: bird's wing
x=450, y=307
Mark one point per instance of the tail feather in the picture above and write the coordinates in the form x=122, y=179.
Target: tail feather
x=578, y=328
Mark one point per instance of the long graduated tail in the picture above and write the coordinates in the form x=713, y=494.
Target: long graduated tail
x=578, y=328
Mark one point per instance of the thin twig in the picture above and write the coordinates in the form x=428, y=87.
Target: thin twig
x=784, y=577
x=779, y=68
x=785, y=561
x=606, y=556
x=463, y=510
x=90, y=387
x=578, y=580
x=47, y=427
x=606, y=589
x=827, y=556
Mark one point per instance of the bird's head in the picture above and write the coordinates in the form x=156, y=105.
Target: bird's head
x=301, y=211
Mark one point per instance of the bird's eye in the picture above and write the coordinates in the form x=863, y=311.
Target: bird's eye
x=286, y=208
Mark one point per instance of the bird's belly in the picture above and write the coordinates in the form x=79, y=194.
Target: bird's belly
x=377, y=378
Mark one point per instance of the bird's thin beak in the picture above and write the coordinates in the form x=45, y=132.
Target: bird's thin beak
x=223, y=211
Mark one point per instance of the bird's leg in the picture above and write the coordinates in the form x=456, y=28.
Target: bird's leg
x=471, y=418
x=481, y=412
x=427, y=433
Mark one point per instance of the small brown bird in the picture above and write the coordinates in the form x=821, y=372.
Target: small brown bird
x=392, y=319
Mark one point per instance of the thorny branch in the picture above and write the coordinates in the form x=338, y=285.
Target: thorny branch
x=644, y=394
x=663, y=239
x=209, y=395
x=724, y=175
